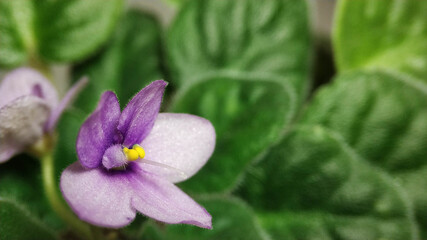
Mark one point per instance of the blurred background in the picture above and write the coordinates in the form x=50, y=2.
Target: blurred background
x=320, y=109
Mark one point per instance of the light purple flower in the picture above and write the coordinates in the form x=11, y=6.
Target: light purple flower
x=29, y=108
x=130, y=160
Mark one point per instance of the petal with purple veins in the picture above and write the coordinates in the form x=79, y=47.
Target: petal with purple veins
x=140, y=113
x=160, y=199
x=97, y=196
x=22, y=82
x=111, y=198
x=182, y=141
x=22, y=122
x=98, y=132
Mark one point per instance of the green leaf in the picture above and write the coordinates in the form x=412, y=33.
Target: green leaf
x=268, y=37
x=249, y=114
x=313, y=186
x=231, y=219
x=383, y=117
x=54, y=30
x=21, y=181
x=17, y=37
x=17, y=223
x=130, y=61
x=381, y=35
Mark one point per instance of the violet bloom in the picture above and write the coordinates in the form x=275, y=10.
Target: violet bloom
x=128, y=162
x=29, y=108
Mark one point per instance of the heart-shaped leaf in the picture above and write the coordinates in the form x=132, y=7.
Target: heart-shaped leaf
x=313, y=186
x=18, y=224
x=381, y=35
x=269, y=37
x=232, y=219
x=383, y=117
x=249, y=114
x=54, y=30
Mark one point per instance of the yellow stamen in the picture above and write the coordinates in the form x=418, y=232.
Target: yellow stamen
x=140, y=150
x=131, y=154
x=125, y=150
x=134, y=153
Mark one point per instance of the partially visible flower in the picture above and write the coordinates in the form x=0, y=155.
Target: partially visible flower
x=128, y=162
x=29, y=108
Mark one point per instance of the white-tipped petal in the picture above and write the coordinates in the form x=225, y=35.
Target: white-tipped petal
x=181, y=141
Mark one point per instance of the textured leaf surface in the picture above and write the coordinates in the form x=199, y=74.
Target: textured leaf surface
x=21, y=183
x=18, y=224
x=16, y=33
x=249, y=114
x=54, y=30
x=381, y=35
x=313, y=186
x=383, y=117
x=130, y=61
x=241, y=35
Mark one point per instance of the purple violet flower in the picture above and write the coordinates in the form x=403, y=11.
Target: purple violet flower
x=130, y=160
x=29, y=108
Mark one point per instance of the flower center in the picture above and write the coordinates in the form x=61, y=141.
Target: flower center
x=134, y=153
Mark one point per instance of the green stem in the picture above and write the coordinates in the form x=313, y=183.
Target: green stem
x=49, y=184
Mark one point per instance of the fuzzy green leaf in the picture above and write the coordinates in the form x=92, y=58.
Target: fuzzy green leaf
x=313, y=186
x=249, y=114
x=268, y=37
x=383, y=117
x=21, y=182
x=54, y=30
x=18, y=224
x=381, y=35
x=130, y=62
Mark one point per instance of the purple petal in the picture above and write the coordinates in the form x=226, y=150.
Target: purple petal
x=182, y=141
x=114, y=157
x=68, y=98
x=140, y=113
x=37, y=91
x=21, y=125
x=161, y=200
x=22, y=82
x=98, y=132
x=111, y=198
x=99, y=197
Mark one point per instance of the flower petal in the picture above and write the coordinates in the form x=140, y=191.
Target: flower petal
x=160, y=199
x=98, y=132
x=182, y=141
x=97, y=196
x=23, y=81
x=138, y=117
x=57, y=111
x=22, y=122
x=8, y=151
x=114, y=157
